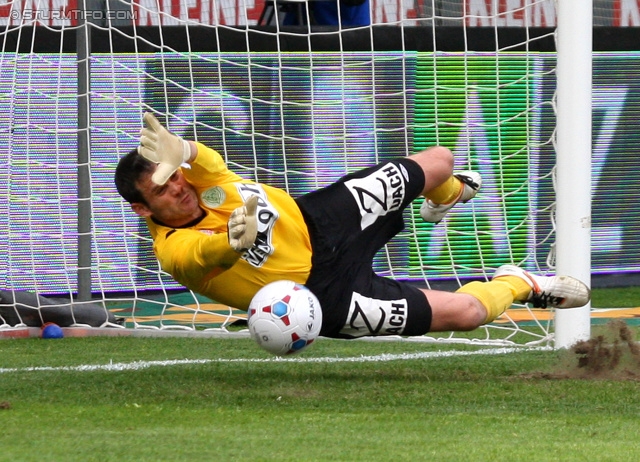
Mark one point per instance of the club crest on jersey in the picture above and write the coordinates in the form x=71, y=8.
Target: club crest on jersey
x=213, y=197
x=379, y=193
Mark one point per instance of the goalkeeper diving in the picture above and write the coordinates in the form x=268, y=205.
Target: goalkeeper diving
x=226, y=237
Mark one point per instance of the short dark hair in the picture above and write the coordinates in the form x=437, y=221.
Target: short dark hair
x=129, y=170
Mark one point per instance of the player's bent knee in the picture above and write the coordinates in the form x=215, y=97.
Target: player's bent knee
x=436, y=157
x=436, y=163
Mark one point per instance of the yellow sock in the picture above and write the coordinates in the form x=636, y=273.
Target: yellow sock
x=447, y=192
x=518, y=286
x=494, y=295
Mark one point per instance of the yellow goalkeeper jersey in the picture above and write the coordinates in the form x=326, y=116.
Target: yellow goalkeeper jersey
x=199, y=256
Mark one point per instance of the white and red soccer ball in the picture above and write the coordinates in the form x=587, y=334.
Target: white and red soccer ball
x=284, y=317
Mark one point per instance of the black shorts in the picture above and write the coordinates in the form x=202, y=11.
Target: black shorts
x=349, y=221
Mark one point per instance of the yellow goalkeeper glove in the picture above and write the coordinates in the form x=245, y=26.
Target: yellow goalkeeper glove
x=164, y=148
x=243, y=225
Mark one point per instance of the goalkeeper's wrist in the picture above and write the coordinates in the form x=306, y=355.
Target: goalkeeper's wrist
x=186, y=151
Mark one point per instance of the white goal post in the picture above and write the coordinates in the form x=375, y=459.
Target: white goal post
x=297, y=107
x=573, y=184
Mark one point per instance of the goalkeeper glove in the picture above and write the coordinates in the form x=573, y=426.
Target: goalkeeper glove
x=164, y=148
x=243, y=225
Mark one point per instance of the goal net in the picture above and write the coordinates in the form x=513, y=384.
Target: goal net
x=295, y=106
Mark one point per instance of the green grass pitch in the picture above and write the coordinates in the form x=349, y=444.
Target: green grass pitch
x=197, y=399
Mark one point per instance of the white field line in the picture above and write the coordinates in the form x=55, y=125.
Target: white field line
x=138, y=365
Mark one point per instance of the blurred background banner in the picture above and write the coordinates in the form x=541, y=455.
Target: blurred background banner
x=471, y=13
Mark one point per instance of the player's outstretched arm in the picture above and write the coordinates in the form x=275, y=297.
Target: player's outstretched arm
x=243, y=225
x=159, y=145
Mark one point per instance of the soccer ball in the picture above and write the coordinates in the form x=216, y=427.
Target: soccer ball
x=284, y=317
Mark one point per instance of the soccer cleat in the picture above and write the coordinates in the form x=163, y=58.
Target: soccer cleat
x=549, y=291
x=434, y=213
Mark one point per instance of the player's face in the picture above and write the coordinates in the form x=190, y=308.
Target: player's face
x=174, y=203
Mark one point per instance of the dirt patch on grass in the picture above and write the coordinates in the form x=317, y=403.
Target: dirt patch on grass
x=613, y=355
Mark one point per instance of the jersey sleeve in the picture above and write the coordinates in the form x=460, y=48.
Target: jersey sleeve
x=193, y=257
x=208, y=168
